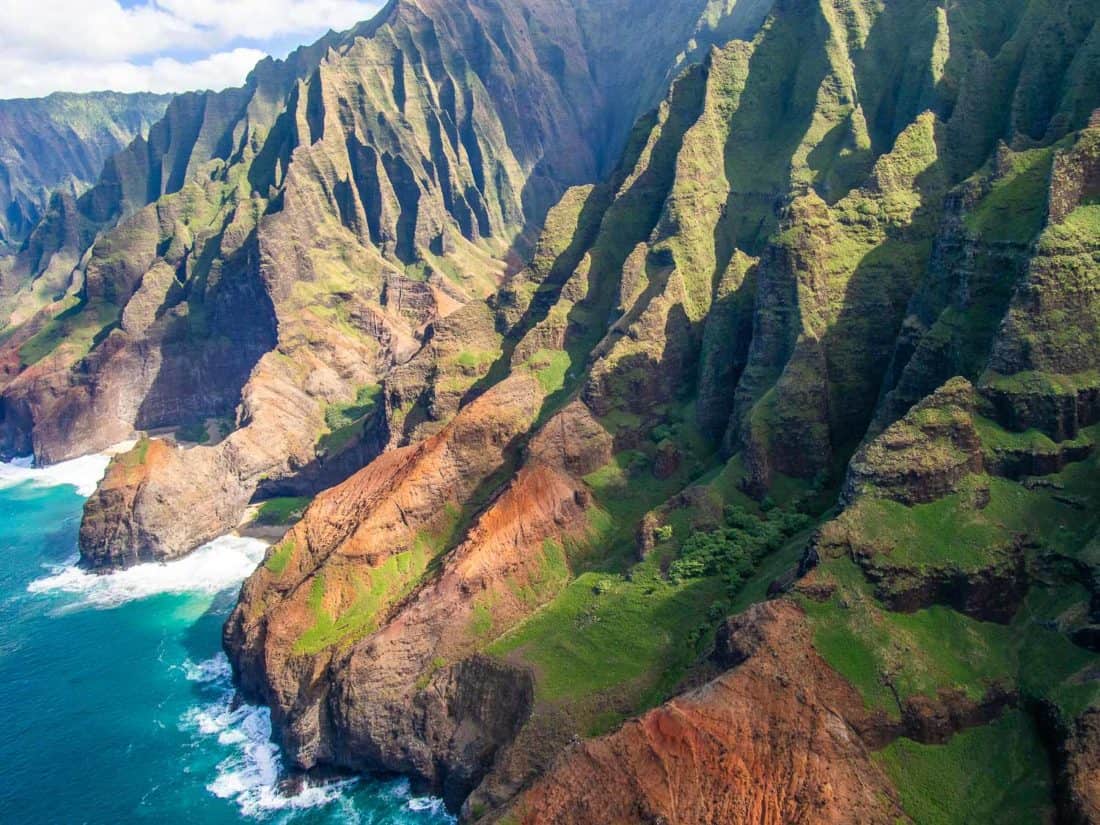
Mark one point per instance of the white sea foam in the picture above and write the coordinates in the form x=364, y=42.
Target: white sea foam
x=82, y=473
x=214, y=567
x=429, y=804
x=212, y=671
x=402, y=790
x=251, y=775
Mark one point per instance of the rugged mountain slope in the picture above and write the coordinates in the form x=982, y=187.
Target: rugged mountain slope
x=801, y=249
x=691, y=761
x=824, y=335
x=282, y=247
x=62, y=142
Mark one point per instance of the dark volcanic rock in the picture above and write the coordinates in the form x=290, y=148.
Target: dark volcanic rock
x=1075, y=757
x=993, y=593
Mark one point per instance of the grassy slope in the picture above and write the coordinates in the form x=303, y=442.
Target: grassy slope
x=624, y=626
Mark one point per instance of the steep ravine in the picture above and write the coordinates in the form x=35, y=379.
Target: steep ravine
x=60, y=143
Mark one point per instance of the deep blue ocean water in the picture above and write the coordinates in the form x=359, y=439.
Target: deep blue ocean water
x=115, y=699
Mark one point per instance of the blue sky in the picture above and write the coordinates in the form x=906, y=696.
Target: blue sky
x=154, y=45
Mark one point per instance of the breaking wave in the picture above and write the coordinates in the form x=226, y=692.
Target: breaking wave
x=82, y=473
x=251, y=775
x=213, y=568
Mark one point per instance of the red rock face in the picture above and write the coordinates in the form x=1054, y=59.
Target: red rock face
x=407, y=691
x=771, y=741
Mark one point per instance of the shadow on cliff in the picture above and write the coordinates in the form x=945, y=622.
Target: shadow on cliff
x=209, y=352
x=612, y=223
x=861, y=343
x=326, y=471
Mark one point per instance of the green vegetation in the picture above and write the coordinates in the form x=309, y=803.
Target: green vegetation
x=194, y=433
x=338, y=416
x=345, y=421
x=551, y=368
x=369, y=592
x=475, y=360
x=280, y=557
x=136, y=457
x=1015, y=207
x=952, y=531
x=1082, y=224
x=280, y=511
x=997, y=439
x=1037, y=383
x=891, y=656
x=605, y=631
x=547, y=581
x=629, y=470
x=995, y=773
x=639, y=626
x=733, y=551
x=78, y=329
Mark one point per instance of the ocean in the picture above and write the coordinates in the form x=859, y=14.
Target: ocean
x=116, y=703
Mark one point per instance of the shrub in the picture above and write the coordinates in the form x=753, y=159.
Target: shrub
x=195, y=433
x=733, y=550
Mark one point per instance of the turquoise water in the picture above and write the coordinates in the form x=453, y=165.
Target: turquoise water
x=115, y=699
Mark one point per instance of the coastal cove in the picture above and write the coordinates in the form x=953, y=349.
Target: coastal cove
x=118, y=703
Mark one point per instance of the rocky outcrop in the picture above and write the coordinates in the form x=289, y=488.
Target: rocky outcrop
x=993, y=592
x=572, y=440
x=925, y=456
x=379, y=599
x=195, y=494
x=935, y=452
x=1081, y=773
x=1041, y=373
x=115, y=498
x=1031, y=460
x=934, y=720
x=771, y=740
x=1075, y=757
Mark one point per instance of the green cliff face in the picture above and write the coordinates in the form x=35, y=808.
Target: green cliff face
x=338, y=220
x=61, y=143
x=821, y=327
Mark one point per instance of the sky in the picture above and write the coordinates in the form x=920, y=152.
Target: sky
x=155, y=45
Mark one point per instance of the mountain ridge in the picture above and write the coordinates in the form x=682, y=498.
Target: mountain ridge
x=62, y=141
x=650, y=271
x=822, y=338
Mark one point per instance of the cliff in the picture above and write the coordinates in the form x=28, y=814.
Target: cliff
x=576, y=398
x=60, y=144
x=323, y=208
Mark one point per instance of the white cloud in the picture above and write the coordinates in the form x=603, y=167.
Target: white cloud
x=158, y=45
x=22, y=78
